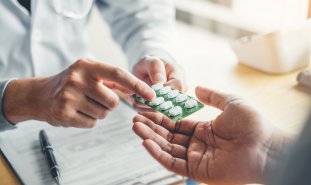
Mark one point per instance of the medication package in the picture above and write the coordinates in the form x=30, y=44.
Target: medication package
x=171, y=102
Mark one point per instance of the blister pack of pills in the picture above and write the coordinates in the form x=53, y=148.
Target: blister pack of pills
x=172, y=103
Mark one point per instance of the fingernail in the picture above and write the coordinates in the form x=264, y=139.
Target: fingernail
x=152, y=96
x=148, y=93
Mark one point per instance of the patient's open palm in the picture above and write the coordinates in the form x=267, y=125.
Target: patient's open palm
x=228, y=150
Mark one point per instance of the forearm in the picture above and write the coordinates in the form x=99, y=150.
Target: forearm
x=21, y=100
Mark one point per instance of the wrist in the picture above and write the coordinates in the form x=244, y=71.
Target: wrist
x=21, y=99
x=275, y=147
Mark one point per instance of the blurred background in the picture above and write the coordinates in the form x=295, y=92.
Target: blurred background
x=227, y=19
x=205, y=30
x=236, y=18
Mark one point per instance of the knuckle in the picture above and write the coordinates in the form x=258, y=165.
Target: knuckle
x=63, y=98
x=170, y=148
x=156, y=62
x=118, y=73
x=73, y=79
x=62, y=115
x=80, y=62
x=139, y=86
x=170, y=137
x=156, y=65
x=173, y=162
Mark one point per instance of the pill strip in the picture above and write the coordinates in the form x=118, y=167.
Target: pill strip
x=172, y=103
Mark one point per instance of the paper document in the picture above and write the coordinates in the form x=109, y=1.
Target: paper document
x=108, y=154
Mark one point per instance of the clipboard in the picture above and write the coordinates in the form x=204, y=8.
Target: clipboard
x=95, y=160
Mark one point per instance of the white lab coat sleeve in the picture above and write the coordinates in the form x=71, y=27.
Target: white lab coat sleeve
x=141, y=27
x=4, y=123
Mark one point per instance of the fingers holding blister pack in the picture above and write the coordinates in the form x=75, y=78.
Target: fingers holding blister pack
x=171, y=102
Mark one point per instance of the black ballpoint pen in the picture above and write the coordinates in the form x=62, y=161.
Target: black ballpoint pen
x=48, y=152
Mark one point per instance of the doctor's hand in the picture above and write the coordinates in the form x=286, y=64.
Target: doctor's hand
x=152, y=70
x=234, y=148
x=76, y=97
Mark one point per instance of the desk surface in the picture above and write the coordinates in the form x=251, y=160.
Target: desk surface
x=7, y=175
x=209, y=61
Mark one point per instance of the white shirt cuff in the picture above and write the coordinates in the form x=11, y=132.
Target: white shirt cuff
x=4, y=123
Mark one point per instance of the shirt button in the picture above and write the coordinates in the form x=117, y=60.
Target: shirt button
x=36, y=35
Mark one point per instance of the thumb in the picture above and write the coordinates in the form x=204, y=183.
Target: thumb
x=214, y=98
x=156, y=70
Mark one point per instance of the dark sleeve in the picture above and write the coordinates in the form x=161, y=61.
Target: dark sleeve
x=295, y=166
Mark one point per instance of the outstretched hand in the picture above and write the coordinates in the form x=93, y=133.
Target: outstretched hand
x=231, y=149
x=76, y=97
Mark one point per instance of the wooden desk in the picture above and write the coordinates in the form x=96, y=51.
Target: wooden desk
x=7, y=176
x=209, y=61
